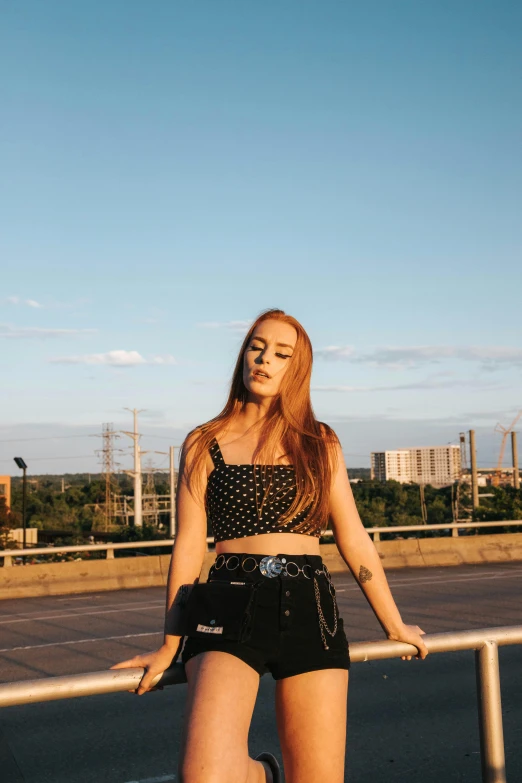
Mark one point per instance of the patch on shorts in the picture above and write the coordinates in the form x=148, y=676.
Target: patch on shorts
x=209, y=628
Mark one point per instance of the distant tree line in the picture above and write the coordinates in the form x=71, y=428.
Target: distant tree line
x=77, y=511
x=73, y=504
x=388, y=503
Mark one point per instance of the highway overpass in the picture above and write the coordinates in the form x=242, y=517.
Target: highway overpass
x=408, y=720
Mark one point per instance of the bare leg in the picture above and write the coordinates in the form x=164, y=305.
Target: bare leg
x=311, y=720
x=222, y=692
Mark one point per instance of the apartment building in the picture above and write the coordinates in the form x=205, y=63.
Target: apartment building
x=436, y=465
x=5, y=489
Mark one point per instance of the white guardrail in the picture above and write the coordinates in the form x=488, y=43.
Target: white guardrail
x=484, y=641
x=109, y=548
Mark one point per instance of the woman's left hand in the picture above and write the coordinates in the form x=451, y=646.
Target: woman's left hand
x=411, y=634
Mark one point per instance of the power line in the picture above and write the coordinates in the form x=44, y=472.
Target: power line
x=42, y=459
x=161, y=437
x=48, y=437
x=66, y=437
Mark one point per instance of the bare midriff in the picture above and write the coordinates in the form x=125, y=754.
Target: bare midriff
x=271, y=544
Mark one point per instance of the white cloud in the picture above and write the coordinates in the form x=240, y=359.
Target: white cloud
x=118, y=358
x=490, y=357
x=428, y=383
x=37, y=332
x=167, y=359
x=336, y=352
x=234, y=326
x=16, y=300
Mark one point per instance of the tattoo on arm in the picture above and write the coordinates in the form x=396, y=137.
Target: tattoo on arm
x=364, y=574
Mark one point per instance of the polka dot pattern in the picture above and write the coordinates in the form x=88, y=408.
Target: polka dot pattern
x=231, y=499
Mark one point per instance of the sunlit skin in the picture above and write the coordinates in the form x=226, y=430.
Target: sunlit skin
x=214, y=746
x=270, y=351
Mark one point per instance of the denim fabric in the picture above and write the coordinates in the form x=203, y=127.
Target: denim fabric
x=285, y=637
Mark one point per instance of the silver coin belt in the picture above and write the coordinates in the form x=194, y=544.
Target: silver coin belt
x=272, y=566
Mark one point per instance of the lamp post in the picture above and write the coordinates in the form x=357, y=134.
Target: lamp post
x=21, y=464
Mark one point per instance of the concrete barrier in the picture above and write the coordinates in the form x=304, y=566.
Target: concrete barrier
x=501, y=548
x=121, y=573
x=83, y=576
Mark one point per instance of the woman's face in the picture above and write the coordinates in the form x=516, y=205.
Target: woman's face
x=267, y=357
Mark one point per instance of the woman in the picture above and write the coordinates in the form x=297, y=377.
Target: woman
x=269, y=477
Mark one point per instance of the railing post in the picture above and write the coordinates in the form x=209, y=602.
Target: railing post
x=110, y=553
x=377, y=536
x=8, y=561
x=490, y=714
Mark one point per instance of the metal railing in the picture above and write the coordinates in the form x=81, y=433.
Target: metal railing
x=110, y=548
x=484, y=641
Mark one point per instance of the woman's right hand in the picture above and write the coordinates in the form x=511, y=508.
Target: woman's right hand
x=411, y=634
x=154, y=663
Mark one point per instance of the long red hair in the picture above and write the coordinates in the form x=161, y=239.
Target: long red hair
x=290, y=423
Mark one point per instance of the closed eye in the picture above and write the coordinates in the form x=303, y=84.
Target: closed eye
x=281, y=355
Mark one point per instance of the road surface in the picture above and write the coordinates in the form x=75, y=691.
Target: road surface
x=407, y=720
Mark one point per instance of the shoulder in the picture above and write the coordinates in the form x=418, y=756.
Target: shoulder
x=192, y=438
x=326, y=430
x=199, y=436
x=333, y=444
x=329, y=435
x=195, y=452
x=192, y=446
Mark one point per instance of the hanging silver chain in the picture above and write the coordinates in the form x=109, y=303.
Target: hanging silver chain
x=323, y=625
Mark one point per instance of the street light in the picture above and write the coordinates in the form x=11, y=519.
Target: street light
x=21, y=464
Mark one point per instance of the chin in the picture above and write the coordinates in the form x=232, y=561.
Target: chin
x=257, y=390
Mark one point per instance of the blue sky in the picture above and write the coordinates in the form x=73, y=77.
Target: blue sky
x=171, y=169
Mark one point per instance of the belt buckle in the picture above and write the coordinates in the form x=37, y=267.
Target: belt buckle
x=271, y=566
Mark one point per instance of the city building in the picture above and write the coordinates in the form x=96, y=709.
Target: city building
x=436, y=465
x=5, y=489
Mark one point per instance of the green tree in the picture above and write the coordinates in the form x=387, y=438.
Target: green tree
x=8, y=521
x=506, y=503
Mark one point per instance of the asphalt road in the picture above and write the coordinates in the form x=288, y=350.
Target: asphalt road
x=408, y=720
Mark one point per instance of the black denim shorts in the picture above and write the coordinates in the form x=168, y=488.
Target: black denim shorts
x=274, y=621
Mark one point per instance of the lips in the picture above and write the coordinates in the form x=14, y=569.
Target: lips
x=261, y=374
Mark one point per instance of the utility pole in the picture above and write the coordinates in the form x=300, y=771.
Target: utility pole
x=172, y=494
x=455, y=498
x=21, y=464
x=463, y=454
x=424, y=511
x=136, y=473
x=514, y=451
x=138, y=502
x=474, y=475
x=150, y=499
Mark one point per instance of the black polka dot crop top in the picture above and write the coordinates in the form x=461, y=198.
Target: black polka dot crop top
x=247, y=500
